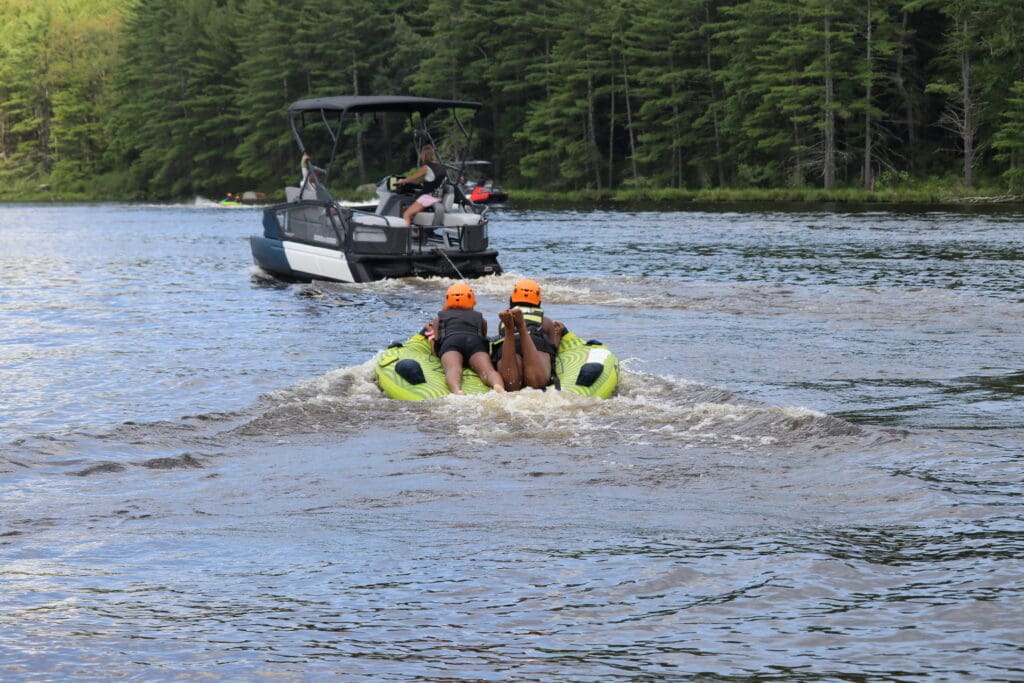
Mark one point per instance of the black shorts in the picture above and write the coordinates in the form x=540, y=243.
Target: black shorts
x=464, y=343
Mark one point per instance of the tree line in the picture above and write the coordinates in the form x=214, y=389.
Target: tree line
x=172, y=98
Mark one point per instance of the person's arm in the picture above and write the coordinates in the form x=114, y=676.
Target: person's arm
x=307, y=171
x=432, y=327
x=414, y=177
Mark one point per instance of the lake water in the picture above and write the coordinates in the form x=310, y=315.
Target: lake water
x=811, y=471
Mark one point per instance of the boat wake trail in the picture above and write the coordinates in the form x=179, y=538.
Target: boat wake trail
x=650, y=414
x=648, y=410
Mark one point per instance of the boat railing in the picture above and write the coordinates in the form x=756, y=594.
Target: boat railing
x=310, y=221
x=474, y=237
x=328, y=224
x=388, y=234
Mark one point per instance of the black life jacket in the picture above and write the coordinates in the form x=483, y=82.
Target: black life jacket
x=533, y=316
x=459, y=321
x=439, y=178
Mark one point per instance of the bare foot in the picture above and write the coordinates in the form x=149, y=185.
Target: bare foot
x=517, y=315
x=557, y=330
x=506, y=319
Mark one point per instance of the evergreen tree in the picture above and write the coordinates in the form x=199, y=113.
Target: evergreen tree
x=957, y=84
x=448, y=43
x=513, y=36
x=677, y=122
x=792, y=82
x=972, y=75
x=213, y=111
x=26, y=106
x=85, y=37
x=155, y=124
x=876, y=45
x=1009, y=139
x=746, y=40
x=999, y=66
x=561, y=130
x=614, y=109
x=190, y=96
x=273, y=72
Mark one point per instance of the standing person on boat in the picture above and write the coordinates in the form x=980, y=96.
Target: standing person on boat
x=433, y=174
x=460, y=339
x=528, y=340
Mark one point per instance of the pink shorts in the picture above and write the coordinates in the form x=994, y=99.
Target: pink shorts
x=427, y=200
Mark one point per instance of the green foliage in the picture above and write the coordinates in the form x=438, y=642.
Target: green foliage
x=25, y=108
x=560, y=129
x=172, y=98
x=1009, y=139
x=676, y=92
x=272, y=71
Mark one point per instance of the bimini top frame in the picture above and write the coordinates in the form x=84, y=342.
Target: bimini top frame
x=330, y=107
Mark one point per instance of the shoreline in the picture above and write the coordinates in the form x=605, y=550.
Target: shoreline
x=628, y=198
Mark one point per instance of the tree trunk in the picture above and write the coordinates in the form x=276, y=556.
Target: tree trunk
x=677, y=152
x=629, y=121
x=592, y=126
x=611, y=141
x=798, y=161
x=359, y=127
x=829, y=166
x=869, y=173
x=901, y=87
x=967, y=128
x=714, y=100
x=45, y=112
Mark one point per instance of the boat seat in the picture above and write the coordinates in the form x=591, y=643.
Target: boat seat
x=448, y=220
x=391, y=206
x=425, y=219
x=439, y=212
x=291, y=193
x=365, y=218
x=396, y=204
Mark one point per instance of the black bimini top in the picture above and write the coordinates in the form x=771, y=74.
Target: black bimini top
x=394, y=103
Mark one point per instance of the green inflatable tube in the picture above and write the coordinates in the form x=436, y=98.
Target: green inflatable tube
x=410, y=371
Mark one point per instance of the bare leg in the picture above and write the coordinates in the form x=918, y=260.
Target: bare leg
x=536, y=365
x=413, y=209
x=481, y=364
x=509, y=365
x=451, y=361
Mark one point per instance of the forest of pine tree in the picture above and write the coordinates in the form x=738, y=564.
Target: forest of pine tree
x=165, y=99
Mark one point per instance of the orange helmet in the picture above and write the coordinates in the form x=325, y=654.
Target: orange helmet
x=526, y=291
x=460, y=295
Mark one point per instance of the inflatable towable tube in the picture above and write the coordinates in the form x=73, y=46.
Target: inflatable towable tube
x=410, y=371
